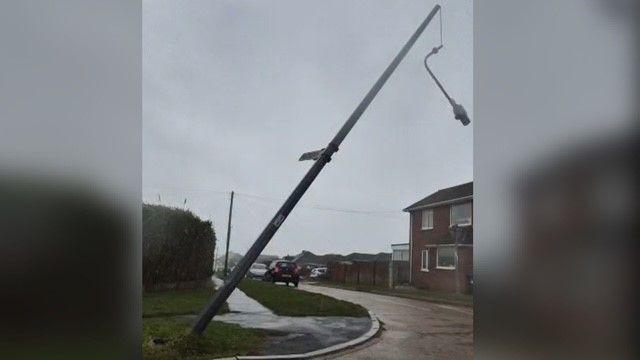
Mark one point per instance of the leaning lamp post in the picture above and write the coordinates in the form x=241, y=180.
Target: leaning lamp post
x=320, y=158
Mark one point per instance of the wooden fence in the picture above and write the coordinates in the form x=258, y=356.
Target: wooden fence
x=359, y=272
x=400, y=272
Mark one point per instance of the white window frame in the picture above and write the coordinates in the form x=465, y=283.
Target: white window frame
x=455, y=258
x=424, y=212
x=451, y=224
x=425, y=255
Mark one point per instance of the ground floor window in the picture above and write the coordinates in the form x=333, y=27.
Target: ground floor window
x=425, y=260
x=446, y=258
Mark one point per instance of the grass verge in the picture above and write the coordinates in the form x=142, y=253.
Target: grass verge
x=176, y=302
x=288, y=301
x=416, y=294
x=168, y=315
x=218, y=340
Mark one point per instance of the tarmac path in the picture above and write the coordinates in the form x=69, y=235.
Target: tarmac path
x=413, y=329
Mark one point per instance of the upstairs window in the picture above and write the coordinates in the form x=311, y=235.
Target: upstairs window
x=427, y=219
x=461, y=214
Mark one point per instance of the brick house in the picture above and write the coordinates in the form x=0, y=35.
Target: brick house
x=441, y=240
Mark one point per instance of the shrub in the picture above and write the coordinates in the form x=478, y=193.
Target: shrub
x=177, y=246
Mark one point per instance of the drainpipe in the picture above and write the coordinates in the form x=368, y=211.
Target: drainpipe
x=455, y=256
x=390, y=284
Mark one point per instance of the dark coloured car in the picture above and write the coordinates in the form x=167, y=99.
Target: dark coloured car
x=283, y=271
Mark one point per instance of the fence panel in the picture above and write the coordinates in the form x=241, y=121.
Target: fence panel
x=360, y=272
x=400, y=272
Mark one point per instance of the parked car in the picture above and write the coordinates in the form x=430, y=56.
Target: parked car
x=319, y=272
x=257, y=271
x=283, y=271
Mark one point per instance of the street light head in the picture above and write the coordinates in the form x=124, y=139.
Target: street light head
x=460, y=114
x=458, y=110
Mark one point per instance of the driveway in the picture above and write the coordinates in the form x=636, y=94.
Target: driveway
x=413, y=329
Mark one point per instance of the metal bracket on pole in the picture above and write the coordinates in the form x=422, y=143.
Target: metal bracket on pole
x=459, y=113
x=311, y=155
x=321, y=159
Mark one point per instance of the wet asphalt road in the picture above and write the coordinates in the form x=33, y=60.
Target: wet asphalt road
x=413, y=329
x=291, y=335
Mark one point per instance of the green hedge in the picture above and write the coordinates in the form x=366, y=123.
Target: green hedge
x=177, y=246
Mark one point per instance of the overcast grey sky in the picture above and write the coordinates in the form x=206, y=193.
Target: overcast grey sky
x=235, y=91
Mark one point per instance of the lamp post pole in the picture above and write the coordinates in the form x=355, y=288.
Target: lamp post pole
x=226, y=254
x=321, y=157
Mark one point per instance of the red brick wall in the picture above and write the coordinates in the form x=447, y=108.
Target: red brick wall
x=437, y=279
x=465, y=267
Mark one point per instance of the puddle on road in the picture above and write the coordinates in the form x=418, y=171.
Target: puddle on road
x=292, y=334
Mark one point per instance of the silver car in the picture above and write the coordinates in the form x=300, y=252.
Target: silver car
x=257, y=271
x=319, y=272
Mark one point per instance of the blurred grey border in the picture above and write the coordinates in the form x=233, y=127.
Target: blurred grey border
x=555, y=152
x=556, y=121
x=70, y=178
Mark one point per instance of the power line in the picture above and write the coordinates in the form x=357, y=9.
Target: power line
x=275, y=199
x=320, y=207
x=187, y=189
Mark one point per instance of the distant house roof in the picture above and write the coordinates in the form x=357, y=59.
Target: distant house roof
x=307, y=257
x=444, y=196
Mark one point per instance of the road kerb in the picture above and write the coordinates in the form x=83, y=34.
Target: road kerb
x=373, y=331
